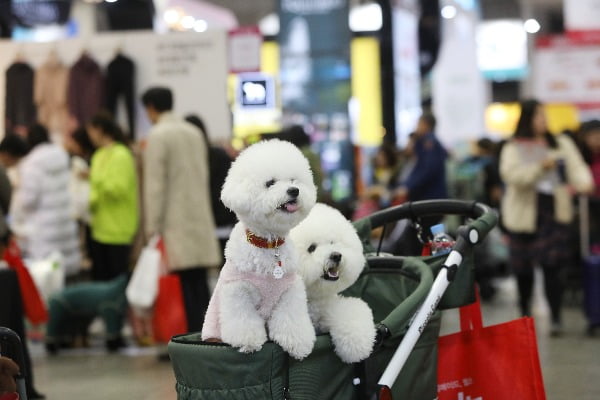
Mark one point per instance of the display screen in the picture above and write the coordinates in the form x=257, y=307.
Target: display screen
x=256, y=90
x=502, y=49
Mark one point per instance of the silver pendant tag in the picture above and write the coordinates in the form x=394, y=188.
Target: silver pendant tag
x=278, y=272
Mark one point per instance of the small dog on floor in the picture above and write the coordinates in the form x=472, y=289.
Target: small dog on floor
x=331, y=259
x=72, y=309
x=259, y=294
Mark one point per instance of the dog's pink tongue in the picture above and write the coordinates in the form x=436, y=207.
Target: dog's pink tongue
x=291, y=207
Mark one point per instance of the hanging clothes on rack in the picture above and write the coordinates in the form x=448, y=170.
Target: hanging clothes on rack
x=120, y=81
x=50, y=90
x=20, y=109
x=85, y=95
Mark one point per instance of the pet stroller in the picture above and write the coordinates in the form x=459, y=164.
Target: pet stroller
x=405, y=301
x=11, y=347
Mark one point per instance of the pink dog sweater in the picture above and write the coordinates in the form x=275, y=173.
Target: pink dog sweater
x=270, y=290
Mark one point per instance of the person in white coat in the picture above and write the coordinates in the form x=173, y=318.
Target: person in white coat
x=41, y=210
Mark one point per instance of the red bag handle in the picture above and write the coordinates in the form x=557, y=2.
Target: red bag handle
x=470, y=315
x=162, y=248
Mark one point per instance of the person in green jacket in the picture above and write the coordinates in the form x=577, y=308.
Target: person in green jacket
x=113, y=199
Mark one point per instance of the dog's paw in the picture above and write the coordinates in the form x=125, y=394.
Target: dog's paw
x=248, y=348
x=352, y=349
x=298, y=341
x=248, y=339
x=302, y=348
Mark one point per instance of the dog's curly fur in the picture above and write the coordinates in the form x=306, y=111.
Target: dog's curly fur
x=331, y=259
x=270, y=188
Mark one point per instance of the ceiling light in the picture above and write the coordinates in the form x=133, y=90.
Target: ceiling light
x=187, y=22
x=449, y=12
x=532, y=26
x=111, y=1
x=171, y=16
x=200, y=25
x=366, y=17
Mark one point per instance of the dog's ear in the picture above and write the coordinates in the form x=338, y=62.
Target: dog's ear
x=234, y=196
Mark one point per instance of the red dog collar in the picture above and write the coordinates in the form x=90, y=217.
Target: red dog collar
x=262, y=242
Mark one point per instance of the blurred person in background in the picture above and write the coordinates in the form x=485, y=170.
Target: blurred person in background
x=377, y=194
x=41, y=207
x=486, y=156
x=427, y=179
x=81, y=149
x=12, y=149
x=589, y=136
x=540, y=171
x=296, y=135
x=218, y=166
x=19, y=149
x=177, y=200
x=113, y=199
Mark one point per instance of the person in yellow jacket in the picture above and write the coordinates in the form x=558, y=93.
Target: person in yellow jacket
x=113, y=199
x=541, y=172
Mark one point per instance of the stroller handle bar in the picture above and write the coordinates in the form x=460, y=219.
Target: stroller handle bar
x=485, y=218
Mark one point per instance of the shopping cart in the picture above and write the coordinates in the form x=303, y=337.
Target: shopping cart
x=11, y=347
x=405, y=300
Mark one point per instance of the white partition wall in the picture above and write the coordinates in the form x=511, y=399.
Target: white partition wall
x=193, y=65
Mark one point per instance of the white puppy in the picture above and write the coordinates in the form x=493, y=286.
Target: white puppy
x=331, y=260
x=259, y=295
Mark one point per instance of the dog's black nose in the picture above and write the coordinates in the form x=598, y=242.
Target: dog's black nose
x=335, y=257
x=293, y=191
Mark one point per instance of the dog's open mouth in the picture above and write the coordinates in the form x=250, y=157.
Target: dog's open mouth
x=290, y=206
x=332, y=273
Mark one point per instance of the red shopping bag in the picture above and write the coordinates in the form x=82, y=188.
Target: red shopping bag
x=169, y=317
x=33, y=304
x=498, y=362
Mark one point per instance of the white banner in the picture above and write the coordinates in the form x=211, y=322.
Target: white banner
x=565, y=70
x=193, y=65
x=459, y=89
x=244, y=49
x=582, y=15
x=407, y=77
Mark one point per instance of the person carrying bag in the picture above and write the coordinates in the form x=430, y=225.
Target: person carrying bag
x=155, y=295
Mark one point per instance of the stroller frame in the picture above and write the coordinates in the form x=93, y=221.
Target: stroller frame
x=205, y=371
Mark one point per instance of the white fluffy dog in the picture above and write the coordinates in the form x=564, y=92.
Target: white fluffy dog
x=331, y=259
x=259, y=295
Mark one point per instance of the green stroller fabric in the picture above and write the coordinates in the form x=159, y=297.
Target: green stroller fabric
x=394, y=290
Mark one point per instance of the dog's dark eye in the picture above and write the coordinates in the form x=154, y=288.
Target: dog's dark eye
x=312, y=248
x=270, y=183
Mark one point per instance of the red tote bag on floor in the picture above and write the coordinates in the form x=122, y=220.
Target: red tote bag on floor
x=498, y=362
x=169, y=318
